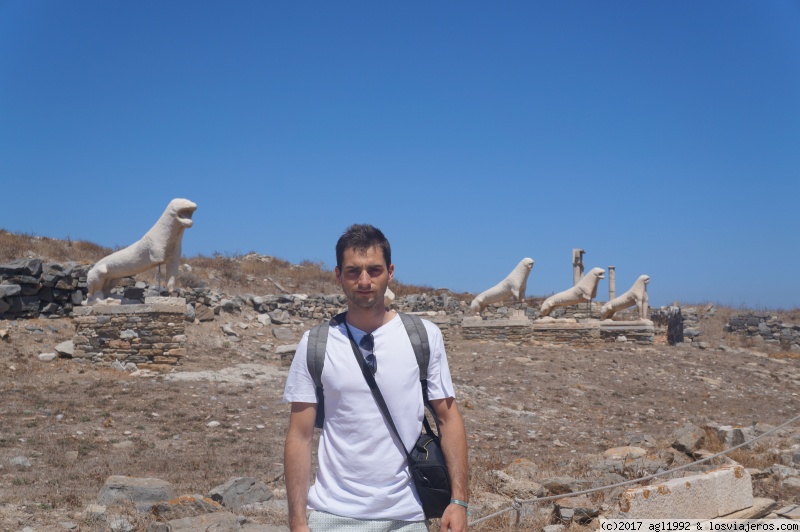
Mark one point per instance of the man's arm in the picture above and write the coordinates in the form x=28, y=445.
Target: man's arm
x=297, y=462
x=454, y=447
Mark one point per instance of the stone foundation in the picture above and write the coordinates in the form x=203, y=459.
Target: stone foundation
x=516, y=329
x=151, y=333
x=639, y=331
x=558, y=330
x=566, y=331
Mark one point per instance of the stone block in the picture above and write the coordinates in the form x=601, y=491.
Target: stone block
x=143, y=492
x=705, y=496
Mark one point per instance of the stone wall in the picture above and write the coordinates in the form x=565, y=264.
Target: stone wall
x=511, y=330
x=766, y=327
x=150, y=333
x=30, y=288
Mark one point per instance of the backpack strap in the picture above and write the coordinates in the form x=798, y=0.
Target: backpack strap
x=422, y=349
x=315, y=359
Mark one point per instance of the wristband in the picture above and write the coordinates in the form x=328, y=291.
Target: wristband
x=460, y=503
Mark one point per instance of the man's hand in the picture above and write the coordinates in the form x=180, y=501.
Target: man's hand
x=454, y=519
x=454, y=447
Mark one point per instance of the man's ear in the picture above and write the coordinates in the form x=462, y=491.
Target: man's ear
x=338, y=274
x=391, y=272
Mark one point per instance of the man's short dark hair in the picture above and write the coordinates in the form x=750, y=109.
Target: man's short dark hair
x=361, y=237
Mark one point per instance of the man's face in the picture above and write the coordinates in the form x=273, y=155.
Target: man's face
x=364, y=276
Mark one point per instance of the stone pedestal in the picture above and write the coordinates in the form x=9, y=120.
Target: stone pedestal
x=150, y=334
x=639, y=331
x=516, y=329
x=566, y=331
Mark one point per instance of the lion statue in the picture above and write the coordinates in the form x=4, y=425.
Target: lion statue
x=388, y=298
x=514, y=285
x=637, y=295
x=585, y=290
x=160, y=245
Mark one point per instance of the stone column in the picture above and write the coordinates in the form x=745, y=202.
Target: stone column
x=612, y=282
x=577, y=265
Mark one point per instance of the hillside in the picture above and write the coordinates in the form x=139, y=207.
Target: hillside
x=540, y=418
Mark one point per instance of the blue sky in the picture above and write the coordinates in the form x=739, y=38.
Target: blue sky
x=661, y=137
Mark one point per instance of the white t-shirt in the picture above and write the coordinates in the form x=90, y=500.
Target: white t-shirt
x=363, y=471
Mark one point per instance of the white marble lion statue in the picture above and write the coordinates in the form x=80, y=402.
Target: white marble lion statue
x=585, y=290
x=388, y=298
x=512, y=286
x=637, y=295
x=160, y=245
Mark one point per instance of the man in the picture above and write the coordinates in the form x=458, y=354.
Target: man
x=363, y=481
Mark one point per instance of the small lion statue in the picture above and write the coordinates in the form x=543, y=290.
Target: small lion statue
x=160, y=245
x=637, y=295
x=514, y=285
x=585, y=290
x=388, y=298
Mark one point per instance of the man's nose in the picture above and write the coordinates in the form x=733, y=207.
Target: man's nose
x=363, y=278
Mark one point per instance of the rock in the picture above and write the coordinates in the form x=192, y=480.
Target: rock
x=30, y=267
x=66, y=349
x=559, y=485
x=283, y=334
x=621, y=338
x=624, y=453
x=217, y=521
x=791, y=487
x=227, y=329
x=576, y=509
x=228, y=306
x=71, y=456
x=190, y=314
x=3, y=333
x=553, y=528
x=128, y=334
x=213, y=424
x=126, y=445
x=117, y=365
x=522, y=489
x=733, y=436
x=143, y=492
x=240, y=491
x=20, y=461
x=688, y=438
x=203, y=313
x=47, y=357
x=522, y=469
x=286, y=349
x=264, y=319
x=279, y=317
x=185, y=506
x=120, y=524
x=9, y=290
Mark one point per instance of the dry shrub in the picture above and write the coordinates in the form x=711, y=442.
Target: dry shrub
x=20, y=245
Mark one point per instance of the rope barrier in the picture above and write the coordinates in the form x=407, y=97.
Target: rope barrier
x=517, y=504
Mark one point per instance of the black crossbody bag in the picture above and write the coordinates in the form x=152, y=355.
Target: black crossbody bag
x=425, y=460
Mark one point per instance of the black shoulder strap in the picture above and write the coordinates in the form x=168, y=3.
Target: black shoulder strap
x=422, y=349
x=315, y=359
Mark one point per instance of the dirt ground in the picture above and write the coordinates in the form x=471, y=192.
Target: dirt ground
x=558, y=406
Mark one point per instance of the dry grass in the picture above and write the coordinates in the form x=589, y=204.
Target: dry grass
x=20, y=245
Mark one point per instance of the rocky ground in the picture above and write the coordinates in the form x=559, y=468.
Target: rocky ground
x=539, y=419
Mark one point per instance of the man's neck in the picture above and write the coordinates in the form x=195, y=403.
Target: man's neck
x=368, y=320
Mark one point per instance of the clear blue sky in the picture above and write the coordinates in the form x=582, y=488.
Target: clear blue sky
x=661, y=137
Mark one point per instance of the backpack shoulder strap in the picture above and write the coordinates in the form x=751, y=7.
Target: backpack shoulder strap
x=315, y=359
x=422, y=349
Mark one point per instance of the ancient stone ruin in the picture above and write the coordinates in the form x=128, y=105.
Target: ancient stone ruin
x=160, y=245
x=513, y=286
